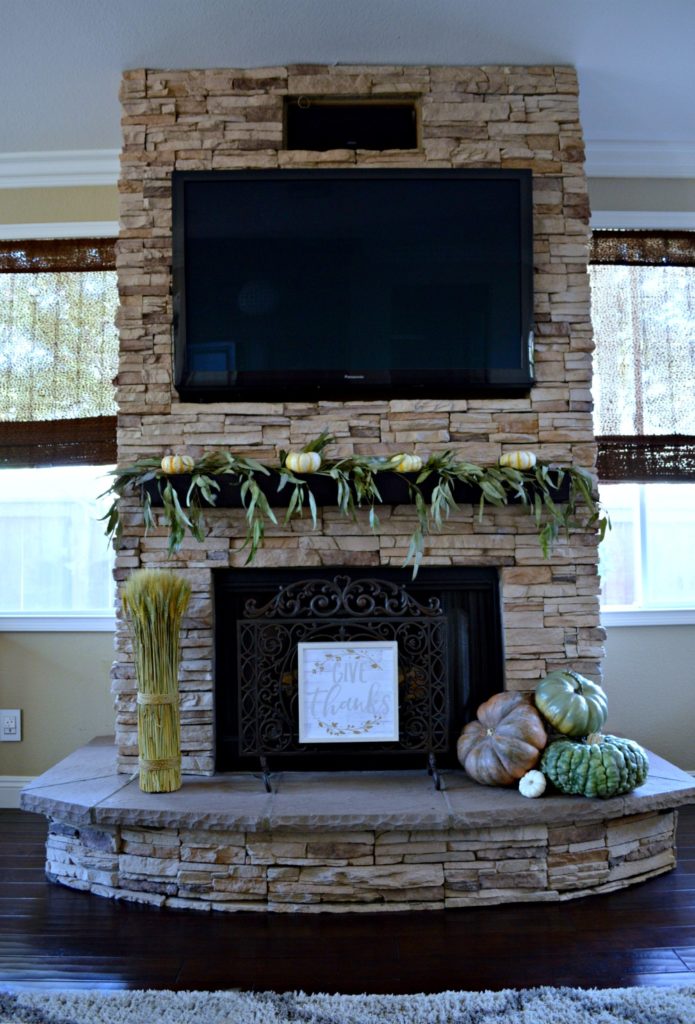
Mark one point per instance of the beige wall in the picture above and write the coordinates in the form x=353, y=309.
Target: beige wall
x=61, y=683
x=60, y=680
x=51, y=205
x=649, y=676
x=100, y=202
x=43, y=206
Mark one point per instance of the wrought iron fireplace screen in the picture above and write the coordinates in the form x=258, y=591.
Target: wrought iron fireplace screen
x=258, y=629
x=344, y=611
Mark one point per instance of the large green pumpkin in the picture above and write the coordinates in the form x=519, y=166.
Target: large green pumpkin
x=601, y=766
x=572, y=704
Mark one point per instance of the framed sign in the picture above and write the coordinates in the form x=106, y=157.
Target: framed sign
x=348, y=693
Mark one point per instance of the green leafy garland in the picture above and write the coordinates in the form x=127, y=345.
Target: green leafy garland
x=355, y=477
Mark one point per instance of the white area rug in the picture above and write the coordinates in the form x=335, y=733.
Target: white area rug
x=531, y=1006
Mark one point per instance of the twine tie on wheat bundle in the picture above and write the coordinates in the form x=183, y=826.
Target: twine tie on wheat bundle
x=155, y=601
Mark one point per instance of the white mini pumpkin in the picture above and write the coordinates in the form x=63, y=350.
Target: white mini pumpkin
x=518, y=460
x=303, y=462
x=175, y=464
x=406, y=463
x=532, y=784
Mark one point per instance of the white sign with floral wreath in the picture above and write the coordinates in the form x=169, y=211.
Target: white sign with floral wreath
x=348, y=693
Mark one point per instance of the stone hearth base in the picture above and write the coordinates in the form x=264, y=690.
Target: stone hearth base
x=345, y=842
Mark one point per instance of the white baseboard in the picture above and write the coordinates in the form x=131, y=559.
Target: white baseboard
x=10, y=788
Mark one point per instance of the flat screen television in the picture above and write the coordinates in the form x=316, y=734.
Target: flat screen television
x=352, y=284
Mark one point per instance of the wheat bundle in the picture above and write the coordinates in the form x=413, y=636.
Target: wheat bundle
x=155, y=602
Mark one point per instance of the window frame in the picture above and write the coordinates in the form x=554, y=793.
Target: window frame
x=105, y=623
x=643, y=220
x=60, y=623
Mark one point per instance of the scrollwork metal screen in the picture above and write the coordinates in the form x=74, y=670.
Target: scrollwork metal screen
x=350, y=611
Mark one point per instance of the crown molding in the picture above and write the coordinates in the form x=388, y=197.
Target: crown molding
x=617, y=159
x=59, y=168
x=60, y=229
x=644, y=220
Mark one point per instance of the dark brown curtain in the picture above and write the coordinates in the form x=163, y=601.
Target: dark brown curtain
x=88, y=441
x=657, y=458
x=644, y=248
x=57, y=255
x=667, y=458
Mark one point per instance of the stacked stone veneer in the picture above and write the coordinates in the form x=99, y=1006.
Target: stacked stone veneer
x=360, y=870
x=469, y=117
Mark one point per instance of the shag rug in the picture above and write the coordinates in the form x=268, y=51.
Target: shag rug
x=529, y=1006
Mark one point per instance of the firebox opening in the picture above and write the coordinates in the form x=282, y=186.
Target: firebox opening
x=447, y=624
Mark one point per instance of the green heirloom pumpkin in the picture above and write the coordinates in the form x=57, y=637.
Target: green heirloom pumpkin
x=602, y=766
x=572, y=704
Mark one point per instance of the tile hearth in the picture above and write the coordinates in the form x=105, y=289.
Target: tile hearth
x=355, y=841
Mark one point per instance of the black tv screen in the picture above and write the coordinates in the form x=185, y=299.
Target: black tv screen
x=352, y=284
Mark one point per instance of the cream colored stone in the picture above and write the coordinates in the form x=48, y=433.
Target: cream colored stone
x=232, y=118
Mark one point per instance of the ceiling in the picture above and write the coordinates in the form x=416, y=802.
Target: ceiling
x=60, y=60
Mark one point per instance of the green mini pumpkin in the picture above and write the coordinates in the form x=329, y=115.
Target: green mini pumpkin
x=572, y=704
x=601, y=766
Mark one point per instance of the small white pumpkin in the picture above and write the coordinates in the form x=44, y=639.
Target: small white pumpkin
x=518, y=460
x=406, y=463
x=532, y=784
x=175, y=464
x=303, y=462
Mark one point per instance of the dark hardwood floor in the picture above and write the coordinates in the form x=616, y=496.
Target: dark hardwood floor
x=51, y=937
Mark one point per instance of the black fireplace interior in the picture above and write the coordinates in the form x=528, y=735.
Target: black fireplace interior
x=448, y=629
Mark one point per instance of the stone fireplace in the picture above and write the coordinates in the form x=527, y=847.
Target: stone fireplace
x=468, y=117
x=346, y=840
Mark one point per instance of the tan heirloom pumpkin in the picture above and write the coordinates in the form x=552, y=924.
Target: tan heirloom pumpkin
x=405, y=463
x=174, y=464
x=303, y=462
x=504, y=743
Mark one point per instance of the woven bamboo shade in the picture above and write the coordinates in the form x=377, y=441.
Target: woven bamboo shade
x=643, y=311
x=58, y=352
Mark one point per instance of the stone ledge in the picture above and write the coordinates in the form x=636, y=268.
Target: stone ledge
x=86, y=788
x=332, y=843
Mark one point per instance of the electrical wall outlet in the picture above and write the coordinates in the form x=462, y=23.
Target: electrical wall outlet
x=10, y=725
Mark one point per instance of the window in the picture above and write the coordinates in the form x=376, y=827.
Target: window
x=58, y=352
x=58, y=345
x=58, y=356
x=643, y=311
x=55, y=558
x=648, y=557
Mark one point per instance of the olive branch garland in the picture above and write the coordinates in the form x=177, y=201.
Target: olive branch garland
x=203, y=490
x=356, y=489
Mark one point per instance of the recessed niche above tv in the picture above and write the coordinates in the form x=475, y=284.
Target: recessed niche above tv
x=349, y=285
